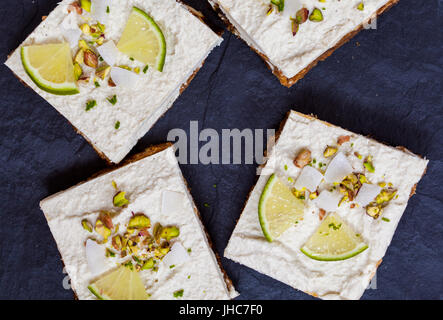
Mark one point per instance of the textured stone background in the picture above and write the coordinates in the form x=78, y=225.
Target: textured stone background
x=389, y=86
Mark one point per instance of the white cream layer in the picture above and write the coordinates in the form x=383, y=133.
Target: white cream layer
x=189, y=41
x=282, y=259
x=272, y=34
x=144, y=181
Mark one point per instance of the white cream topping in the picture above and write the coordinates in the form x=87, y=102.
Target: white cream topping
x=282, y=259
x=189, y=41
x=272, y=34
x=197, y=273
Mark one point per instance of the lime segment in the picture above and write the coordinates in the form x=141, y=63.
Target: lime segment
x=121, y=284
x=278, y=208
x=143, y=40
x=333, y=240
x=50, y=67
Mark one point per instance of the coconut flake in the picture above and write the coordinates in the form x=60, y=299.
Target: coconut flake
x=367, y=194
x=98, y=10
x=70, y=30
x=339, y=168
x=327, y=201
x=124, y=78
x=176, y=256
x=291, y=7
x=309, y=178
x=172, y=202
x=95, y=256
x=109, y=52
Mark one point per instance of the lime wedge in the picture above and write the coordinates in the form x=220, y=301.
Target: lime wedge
x=120, y=284
x=278, y=208
x=333, y=240
x=143, y=40
x=50, y=67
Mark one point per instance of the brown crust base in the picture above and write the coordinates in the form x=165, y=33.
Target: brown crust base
x=147, y=153
x=277, y=136
x=288, y=82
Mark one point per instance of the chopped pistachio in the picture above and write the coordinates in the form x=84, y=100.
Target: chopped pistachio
x=103, y=71
x=82, y=44
x=316, y=15
x=169, y=233
x=382, y=184
x=137, y=70
x=97, y=85
x=112, y=100
x=157, y=231
x=120, y=200
x=85, y=28
x=100, y=40
x=270, y=10
x=87, y=225
x=117, y=125
x=368, y=164
x=343, y=139
x=86, y=5
x=313, y=195
x=385, y=219
x=106, y=218
x=279, y=3
x=102, y=230
x=145, y=69
x=148, y=264
x=329, y=151
x=110, y=253
x=90, y=104
x=362, y=178
x=374, y=210
x=302, y=158
x=139, y=221
x=117, y=242
x=108, y=10
x=385, y=195
x=125, y=67
x=294, y=27
x=77, y=71
x=79, y=56
x=91, y=59
x=302, y=15
x=361, y=6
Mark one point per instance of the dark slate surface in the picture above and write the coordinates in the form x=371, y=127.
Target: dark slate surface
x=386, y=83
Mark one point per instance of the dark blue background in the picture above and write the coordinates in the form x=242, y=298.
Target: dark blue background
x=386, y=83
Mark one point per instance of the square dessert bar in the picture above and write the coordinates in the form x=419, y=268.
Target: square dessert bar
x=113, y=115
x=122, y=217
x=361, y=187
x=293, y=35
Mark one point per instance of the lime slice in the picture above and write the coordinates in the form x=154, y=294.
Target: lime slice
x=50, y=67
x=120, y=284
x=278, y=208
x=333, y=240
x=143, y=40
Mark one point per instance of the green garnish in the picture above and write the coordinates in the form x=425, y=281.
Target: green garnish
x=97, y=85
x=145, y=69
x=333, y=226
x=120, y=200
x=316, y=15
x=131, y=58
x=90, y=104
x=107, y=9
x=290, y=179
x=117, y=125
x=368, y=164
x=171, y=266
x=385, y=219
x=189, y=250
x=361, y=6
x=279, y=3
x=286, y=167
x=110, y=253
x=112, y=100
x=178, y=293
